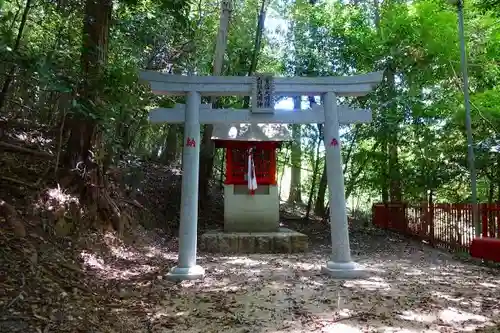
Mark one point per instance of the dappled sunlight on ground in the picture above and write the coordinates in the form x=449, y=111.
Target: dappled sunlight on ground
x=106, y=271
x=412, y=288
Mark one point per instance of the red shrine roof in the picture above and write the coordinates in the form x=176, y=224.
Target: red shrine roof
x=251, y=132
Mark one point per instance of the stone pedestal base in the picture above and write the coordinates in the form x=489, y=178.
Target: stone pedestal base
x=282, y=241
x=251, y=213
x=345, y=270
x=181, y=274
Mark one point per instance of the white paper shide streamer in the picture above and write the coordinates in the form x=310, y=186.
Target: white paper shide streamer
x=252, y=179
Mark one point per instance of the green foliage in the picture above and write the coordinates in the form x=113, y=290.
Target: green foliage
x=413, y=42
x=424, y=117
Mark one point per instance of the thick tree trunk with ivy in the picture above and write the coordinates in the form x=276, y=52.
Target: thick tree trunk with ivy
x=84, y=150
x=81, y=125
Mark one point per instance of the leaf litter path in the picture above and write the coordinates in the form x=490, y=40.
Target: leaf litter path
x=118, y=286
x=413, y=288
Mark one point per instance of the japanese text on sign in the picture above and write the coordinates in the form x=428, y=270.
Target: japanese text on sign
x=190, y=142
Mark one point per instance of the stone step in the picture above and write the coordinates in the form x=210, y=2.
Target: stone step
x=283, y=241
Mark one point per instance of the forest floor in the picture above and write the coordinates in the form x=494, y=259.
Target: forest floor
x=97, y=282
x=120, y=287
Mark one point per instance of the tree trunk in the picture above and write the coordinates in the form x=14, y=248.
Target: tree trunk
x=319, y=207
x=393, y=163
x=491, y=192
x=430, y=202
x=85, y=153
x=80, y=126
x=315, y=174
x=169, y=151
x=257, y=46
x=384, y=173
x=295, y=195
x=377, y=14
x=10, y=75
x=498, y=180
x=207, y=149
x=355, y=174
x=384, y=147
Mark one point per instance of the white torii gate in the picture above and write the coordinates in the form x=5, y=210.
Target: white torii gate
x=261, y=88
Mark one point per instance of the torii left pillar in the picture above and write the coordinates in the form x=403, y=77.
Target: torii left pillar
x=186, y=268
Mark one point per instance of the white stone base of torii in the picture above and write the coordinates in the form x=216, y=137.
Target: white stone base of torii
x=194, y=113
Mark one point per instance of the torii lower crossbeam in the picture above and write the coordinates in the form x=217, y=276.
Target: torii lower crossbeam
x=176, y=115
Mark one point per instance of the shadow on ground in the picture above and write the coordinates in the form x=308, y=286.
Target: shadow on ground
x=119, y=285
x=413, y=288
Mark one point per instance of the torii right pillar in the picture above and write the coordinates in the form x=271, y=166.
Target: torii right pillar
x=340, y=264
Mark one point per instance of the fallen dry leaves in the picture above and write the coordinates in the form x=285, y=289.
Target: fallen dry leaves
x=116, y=286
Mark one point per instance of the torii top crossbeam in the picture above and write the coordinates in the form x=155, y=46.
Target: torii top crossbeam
x=168, y=84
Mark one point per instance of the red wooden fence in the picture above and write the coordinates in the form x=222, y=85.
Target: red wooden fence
x=446, y=226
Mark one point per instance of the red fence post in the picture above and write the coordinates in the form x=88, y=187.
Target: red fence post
x=443, y=225
x=379, y=215
x=374, y=215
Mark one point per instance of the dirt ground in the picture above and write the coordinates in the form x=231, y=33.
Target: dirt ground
x=413, y=288
x=99, y=283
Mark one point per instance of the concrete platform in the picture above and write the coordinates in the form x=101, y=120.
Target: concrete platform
x=283, y=241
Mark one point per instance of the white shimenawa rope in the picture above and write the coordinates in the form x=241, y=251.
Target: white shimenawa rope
x=252, y=179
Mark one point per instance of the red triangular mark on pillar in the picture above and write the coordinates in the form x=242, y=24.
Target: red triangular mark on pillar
x=190, y=142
